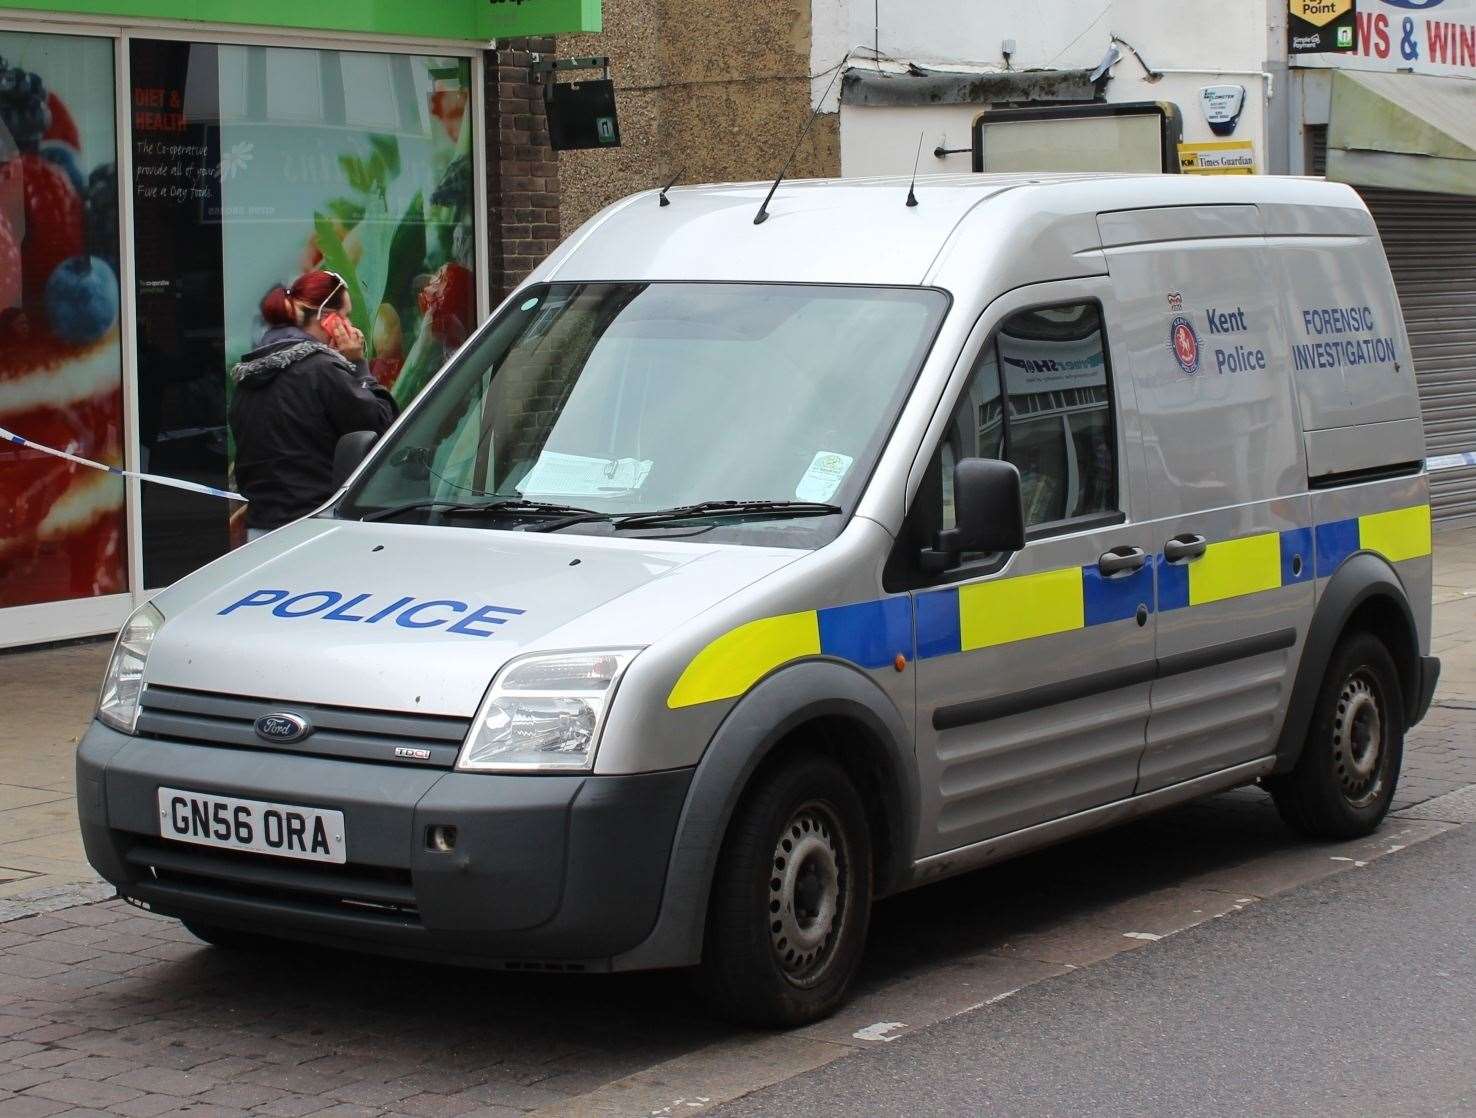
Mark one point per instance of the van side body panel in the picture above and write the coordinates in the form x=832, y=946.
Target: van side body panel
x=1203, y=335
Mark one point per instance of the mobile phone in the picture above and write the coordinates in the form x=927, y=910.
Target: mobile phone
x=332, y=322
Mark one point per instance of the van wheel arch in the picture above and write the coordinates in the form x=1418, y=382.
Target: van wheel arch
x=1363, y=595
x=822, y=705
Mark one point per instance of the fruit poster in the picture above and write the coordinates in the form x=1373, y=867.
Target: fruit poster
x=377, y=189
x=61, y=526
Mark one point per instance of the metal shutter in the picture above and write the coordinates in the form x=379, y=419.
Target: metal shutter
x=1431, y=243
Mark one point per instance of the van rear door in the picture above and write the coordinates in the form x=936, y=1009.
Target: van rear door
x=1196, y=323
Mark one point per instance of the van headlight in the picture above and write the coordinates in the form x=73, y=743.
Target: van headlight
x=117, y=703
x=545, y=711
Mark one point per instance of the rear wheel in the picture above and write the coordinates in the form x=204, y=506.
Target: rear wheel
x=1344, y=781
x=791, y=900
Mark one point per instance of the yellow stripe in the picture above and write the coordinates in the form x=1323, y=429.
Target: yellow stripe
x=734, y=662
x=1399, y=534
x=1235, y=567
x=1016, y=609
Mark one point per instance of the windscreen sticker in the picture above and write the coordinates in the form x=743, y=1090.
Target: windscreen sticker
x=406, y=611
x=827, y=471
x=577, y=475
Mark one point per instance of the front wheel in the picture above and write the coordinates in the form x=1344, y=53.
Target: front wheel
x=791, y=900
x=1344, y=781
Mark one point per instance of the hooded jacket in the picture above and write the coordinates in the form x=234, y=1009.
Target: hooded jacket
x=294, y=398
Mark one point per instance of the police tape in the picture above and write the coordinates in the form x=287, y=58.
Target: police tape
x=1438, y=462
x=157, y=479
x=1451, y=461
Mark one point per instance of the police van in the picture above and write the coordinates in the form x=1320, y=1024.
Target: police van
x=736, y=574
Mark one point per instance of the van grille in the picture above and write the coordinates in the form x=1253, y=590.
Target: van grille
x=387, y=737
x=372, y=892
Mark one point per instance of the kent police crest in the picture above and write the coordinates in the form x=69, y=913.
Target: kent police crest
x=1185, y=344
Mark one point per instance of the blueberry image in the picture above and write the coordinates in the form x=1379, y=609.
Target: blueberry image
x=82, y=299
x=64, y=157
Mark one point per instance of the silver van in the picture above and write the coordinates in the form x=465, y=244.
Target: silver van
x=735, y=575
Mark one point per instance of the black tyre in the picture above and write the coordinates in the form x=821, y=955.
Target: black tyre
x=791, y=900
x=230, y=939
x=1345, y=779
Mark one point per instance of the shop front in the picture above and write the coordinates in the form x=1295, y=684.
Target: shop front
x=158, y=174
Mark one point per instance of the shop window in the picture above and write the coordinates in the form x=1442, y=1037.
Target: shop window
x=251, y=165
x=62, y=529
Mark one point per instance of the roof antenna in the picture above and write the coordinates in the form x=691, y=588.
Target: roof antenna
x=665, y=201
x=912, y=186
x=763, y=210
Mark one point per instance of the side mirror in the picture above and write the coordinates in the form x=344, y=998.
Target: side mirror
x=352, y=449
x=987, y=510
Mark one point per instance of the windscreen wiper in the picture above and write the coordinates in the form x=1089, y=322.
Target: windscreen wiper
x=724, y=508
x=509, y=507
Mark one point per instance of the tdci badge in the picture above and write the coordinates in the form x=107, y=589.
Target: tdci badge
x=1222, y=105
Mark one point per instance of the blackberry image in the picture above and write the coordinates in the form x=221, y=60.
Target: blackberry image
x=23, y=108
x=101, y=200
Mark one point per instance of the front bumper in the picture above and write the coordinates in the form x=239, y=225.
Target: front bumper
x=553, y=871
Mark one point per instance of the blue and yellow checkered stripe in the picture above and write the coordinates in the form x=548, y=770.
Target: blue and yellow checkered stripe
x=1004, y=611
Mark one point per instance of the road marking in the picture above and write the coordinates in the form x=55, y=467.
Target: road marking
x=880, y=1030
x=1149, y=936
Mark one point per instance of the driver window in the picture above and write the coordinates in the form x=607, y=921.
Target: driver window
x=1040, y=396
x=1057, y=429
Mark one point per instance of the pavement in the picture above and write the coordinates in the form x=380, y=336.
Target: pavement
x=105, y=1009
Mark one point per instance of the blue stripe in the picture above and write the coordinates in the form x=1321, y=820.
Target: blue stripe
x=1335, y=542
x=1115, y=599
x=868, y=633
x=1173, y=585
x=1296, y=543
x=937, y=624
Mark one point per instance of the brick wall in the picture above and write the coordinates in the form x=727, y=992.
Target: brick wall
x=522, y=170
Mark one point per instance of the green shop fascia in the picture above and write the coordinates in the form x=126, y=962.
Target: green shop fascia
x=467, y=20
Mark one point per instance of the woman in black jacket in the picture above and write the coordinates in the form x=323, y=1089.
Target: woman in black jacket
x=302, y=388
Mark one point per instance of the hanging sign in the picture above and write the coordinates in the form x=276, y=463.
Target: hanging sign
x=1222, y=105
x=1321, y=26
x=1221, y=157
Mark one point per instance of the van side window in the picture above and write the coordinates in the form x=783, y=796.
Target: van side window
x=1058, y=429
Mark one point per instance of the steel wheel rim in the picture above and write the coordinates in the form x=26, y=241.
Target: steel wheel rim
x=808, y=890
x=1359, y=742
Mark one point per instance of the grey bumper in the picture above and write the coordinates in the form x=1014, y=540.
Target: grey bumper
x=547, y=870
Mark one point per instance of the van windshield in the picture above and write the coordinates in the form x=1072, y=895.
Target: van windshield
x=585, y=404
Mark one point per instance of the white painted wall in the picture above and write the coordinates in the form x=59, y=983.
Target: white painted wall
x=1210, y=38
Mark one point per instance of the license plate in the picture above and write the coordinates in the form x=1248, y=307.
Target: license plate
x=310, y=833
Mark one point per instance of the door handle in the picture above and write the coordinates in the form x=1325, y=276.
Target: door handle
x=1184, y=548
x=1121, y=560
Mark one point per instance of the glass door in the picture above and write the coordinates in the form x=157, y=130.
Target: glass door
x=251, y=165
x=63, y=559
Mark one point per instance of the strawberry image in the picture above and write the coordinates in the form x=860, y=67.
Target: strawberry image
x=448, y=303
x=53, y=223
x=10, y=267
x=31, y=482
x=62, y=127
x=386, y=370
x=449, y=107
